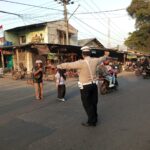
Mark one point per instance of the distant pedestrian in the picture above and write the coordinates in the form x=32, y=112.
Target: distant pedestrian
x=87, y=83
x=60, y=84
x=38, y=79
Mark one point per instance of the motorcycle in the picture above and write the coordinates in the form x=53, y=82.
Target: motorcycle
x=146, y=73
x=16, y=75
x=129, y=68
x=19, y=74
x=105, y=85
x=138, y=71
x=117, y=68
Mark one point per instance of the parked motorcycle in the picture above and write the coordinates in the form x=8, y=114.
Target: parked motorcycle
x=146, y=73
x=129, y=68
x=19, y=74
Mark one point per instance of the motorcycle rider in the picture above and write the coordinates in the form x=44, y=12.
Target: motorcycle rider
x=146, y=66
x=107, y=71
x=145, y=63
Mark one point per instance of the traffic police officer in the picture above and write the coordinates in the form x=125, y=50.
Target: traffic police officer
x=87, y=82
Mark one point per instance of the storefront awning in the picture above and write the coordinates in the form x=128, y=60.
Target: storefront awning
x=52, y=56
x=131, y=56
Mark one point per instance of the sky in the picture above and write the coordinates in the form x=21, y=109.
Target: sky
x=89, y=19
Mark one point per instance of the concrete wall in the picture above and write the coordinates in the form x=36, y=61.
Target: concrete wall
x=74, y=39
x=53, y=36
x=38, y=34
x=12, y=36
x=25, y=57
x=29, y=61
x=42, y=34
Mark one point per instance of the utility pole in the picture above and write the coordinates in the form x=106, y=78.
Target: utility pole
x=109, y=44
x=1, y=50
x=65, y=3
x=66, y=22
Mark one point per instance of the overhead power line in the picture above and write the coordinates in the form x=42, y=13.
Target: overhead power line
x=96, y=29
x=116, y=30
x=65, y=3
x=107, y=26
x=115, y=27
x=10, y=13
x=33, y=9
x=97, y=12
x=42, y=7
x=74, y=12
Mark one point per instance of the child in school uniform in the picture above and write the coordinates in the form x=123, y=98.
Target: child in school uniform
x=60, y=84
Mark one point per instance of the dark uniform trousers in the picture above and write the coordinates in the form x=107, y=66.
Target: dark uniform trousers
x=89, y=97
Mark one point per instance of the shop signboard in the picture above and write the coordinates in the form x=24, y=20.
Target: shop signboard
x=52, y=56
x=42, y=49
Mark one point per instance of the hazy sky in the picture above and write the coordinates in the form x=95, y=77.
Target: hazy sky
x=118, y=23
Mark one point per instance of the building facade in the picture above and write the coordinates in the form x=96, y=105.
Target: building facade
x=92, y=43
x=50, y=32
x=18, y=39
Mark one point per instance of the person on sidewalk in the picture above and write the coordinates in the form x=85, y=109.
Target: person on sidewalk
x=87, y=82
x=60, y=84
x=38, y=79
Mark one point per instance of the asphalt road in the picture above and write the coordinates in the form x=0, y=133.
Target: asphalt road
x=27, y=124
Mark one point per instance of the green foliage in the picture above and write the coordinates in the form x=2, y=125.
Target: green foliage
x=140, y=10
x=140, y=39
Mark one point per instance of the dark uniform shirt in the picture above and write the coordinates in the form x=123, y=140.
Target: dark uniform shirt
x=39, y=77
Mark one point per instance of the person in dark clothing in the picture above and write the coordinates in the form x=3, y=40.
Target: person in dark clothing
x=60, y=84
x=145, y=64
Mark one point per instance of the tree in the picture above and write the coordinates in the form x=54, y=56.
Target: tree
x=140, y=39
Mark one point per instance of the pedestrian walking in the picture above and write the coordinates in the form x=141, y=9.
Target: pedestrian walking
x=60, y=84
x=87, y=82
x=38, y=79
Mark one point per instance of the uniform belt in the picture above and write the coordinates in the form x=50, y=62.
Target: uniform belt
x=88, y=83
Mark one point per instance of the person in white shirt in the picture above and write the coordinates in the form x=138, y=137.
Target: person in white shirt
x=60, y=84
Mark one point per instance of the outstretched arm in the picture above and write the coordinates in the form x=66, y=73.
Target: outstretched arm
x=72, y=65
x=106, y=55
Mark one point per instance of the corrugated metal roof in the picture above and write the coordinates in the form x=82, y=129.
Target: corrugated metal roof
x=84, y=42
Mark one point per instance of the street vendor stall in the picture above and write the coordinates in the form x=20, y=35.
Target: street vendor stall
x=64, y=53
